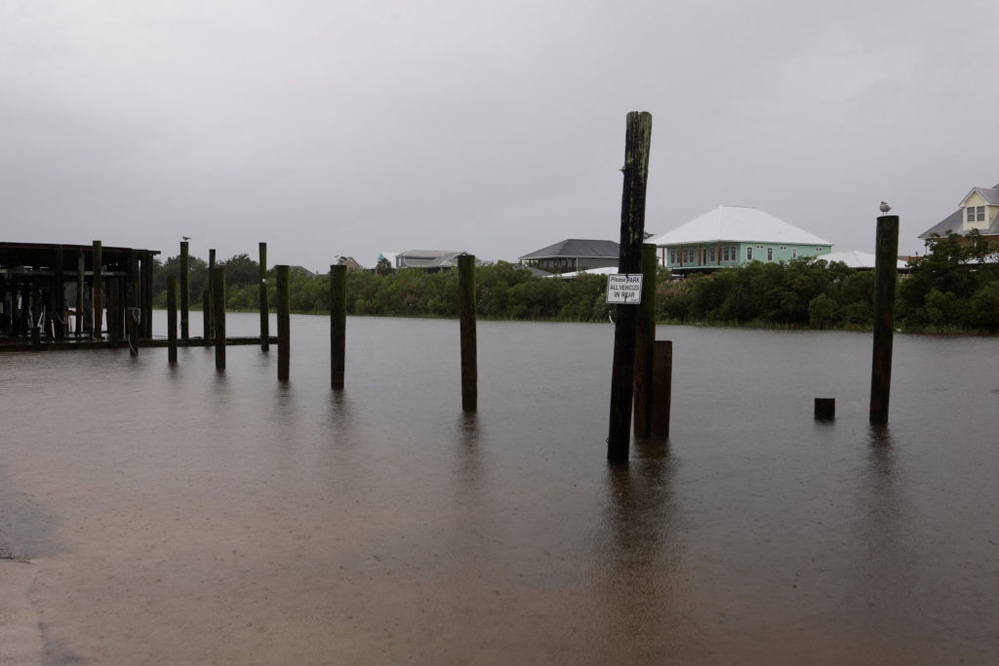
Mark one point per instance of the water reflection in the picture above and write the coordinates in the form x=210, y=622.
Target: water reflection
x=642, y=553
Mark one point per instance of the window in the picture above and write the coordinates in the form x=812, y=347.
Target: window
x=712, y=255
x=794, y=253
x=672, y=256
x=749, y=253
x=976, y=213
x=770, y=254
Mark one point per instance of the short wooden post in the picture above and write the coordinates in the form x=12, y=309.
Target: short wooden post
x=98, y=285
x=662, y=388
x=218, y=316
x=466, y=310
x=185, y=291
x=172, y=319
x=825, y=409
x=265, y=315
x=885, y=271
x=636, y=171
x=283, y=322
x=645, y=336
x=206, y=315
x=338, y=324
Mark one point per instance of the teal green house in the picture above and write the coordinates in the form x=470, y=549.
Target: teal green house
x=731, y=236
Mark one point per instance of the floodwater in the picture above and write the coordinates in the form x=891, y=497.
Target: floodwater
x=182, y=515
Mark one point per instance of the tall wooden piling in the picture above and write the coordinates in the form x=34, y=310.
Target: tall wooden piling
x=97, y=285
x=116, y=316
x=645, y=337
x=662, y=388
x=146, y=292
x=885, y=274
x=466, y=310
x=209, y=303
x=172, y=319
x=338, y=324
x=265, y=316
x=206, y=316
x=185, y=291
x=59, y=287
x=133, y=316
x=218, y=315
x=636, y=170
x=283, y=322
x=81, y=278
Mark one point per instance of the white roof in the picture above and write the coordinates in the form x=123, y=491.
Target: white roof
x=604, y=270
x=855, y=259
x=737, y=224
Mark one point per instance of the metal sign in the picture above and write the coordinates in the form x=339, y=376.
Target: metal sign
x=624, y=288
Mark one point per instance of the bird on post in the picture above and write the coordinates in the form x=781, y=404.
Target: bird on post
x=185, y=238
x=885, y=207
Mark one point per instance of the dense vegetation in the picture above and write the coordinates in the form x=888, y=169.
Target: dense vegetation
x=954, y=288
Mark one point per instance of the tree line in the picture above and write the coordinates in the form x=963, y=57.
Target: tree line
x=954, y=288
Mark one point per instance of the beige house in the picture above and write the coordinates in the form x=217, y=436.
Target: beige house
x=978, y=210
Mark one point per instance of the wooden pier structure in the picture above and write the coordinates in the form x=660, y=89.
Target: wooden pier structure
x=63, y=295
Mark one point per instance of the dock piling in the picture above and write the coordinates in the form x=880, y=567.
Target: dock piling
x=338, y=324
x=172, y=319
x=662, y=388
x=283, y=322
x=265, y=316
x=218, y=315
x=885, y=274
x=466, y=309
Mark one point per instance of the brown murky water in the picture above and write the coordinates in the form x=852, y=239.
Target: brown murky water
x=178, y=515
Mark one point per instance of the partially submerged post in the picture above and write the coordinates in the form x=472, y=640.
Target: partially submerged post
x=206, y=316
x=885, y=270
x=662, y=388
x=283, y=322
x=265, y=321
x=185, y=290
x=98, y=303
x=466, y=309
x=172, y=319
x=645, y=336
x=338, y=324
x=209, y=303
x=825, y=409
x=636, y=170
x=218, y=315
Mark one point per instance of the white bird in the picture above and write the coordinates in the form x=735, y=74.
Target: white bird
x=885, y=207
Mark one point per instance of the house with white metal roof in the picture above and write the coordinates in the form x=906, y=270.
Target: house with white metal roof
x=731, y=236
x=978, y=210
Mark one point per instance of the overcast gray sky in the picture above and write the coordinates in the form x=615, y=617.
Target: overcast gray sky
x=359, y=126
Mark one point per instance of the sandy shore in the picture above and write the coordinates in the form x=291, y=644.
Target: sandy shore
x=20, y=635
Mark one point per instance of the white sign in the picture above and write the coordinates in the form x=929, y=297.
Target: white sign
x=624, y=288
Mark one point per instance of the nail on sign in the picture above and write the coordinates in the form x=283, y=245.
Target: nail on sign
x=624, y=288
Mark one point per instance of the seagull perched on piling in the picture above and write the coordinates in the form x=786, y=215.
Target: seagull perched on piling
x=185, y=238
x=885, y=207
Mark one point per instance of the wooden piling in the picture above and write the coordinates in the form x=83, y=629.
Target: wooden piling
x=81, y=277
x=172, y=319
x=209, y=304
x=116, y=318
x=59, y=286
x=825, y=409
x=283, y=322
x=636, y=170
x=885, y=273
x=662, y=388
x=645, y=336
x=146, y=294
x=265, y=316
x=206, y=316
x=97, y=285
x=185, y=291
x=133, y=316
x=218, y=315
x=338, y=324
x=466, y=309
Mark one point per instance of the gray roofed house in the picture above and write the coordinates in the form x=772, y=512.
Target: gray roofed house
x=573, y=254
x=979, y=209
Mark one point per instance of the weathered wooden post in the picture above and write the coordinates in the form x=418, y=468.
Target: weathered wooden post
x=146, y=294
x=645, y=337
x=59, y=286
x=209, y=304
x=218, y=316
x=466, y=310
x=116, y=320
x=185, y=291
x=662, y=388
x=206, y=316
x=283, y=322
x=885, y=271
x=265, y=316
x=133, y=318
x=98, y=285
x=825, y=409
x=81, y=279
x=338, y=324
x=172, y=319
x=636, y=171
